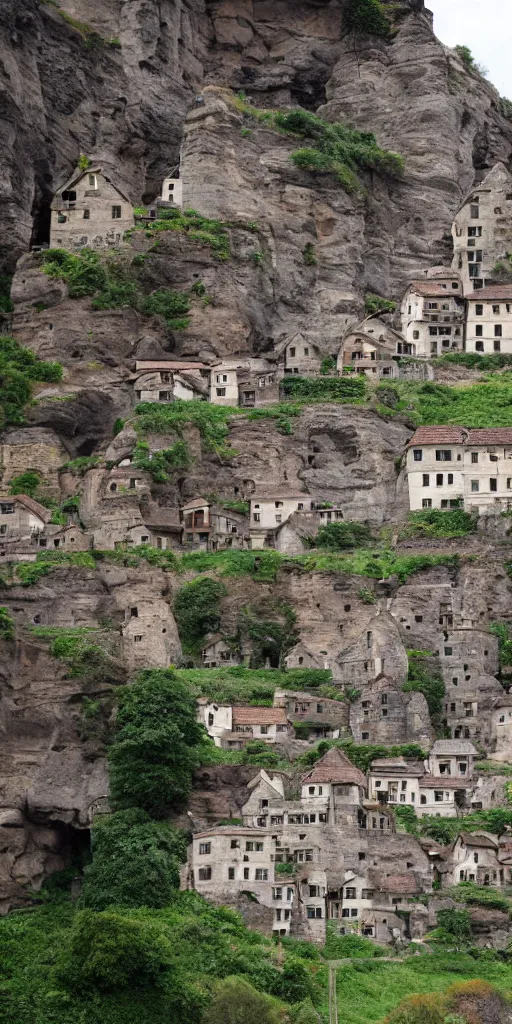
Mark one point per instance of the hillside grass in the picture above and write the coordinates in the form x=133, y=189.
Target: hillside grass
x=255, y=686
x=487, y=403
x=367, y=992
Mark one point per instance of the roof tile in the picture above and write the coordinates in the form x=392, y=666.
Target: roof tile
x=335, y=766
x=259, y=716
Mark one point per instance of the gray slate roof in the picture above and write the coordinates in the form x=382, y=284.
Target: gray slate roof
x=454, y=747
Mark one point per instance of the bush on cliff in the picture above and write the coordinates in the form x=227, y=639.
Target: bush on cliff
x=365, y=17
x=20, y=369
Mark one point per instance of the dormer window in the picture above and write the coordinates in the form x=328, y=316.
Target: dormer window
x=93, y=181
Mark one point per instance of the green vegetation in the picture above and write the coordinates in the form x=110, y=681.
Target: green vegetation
x=480, y=896
x=29, y=573
x=27, y=482
x=376, y=304
x=111, y=285
x=6, y=304
x=375, y=564
x=235, y=505
x=161, y=464
x=200, y=229
x=80, y=465
x=325, y=389
x=484, y=404
x=445, y=830
x=20, y=369
x=469, y=61
x=422, y=678
x=7, y=626
x=210, y=420
x=436, y=522
x=343, y=535
x=136, y=862
x=502, y=631
x=271, y=631
x=76, y=647
x=156, y=745
x=366, y=17
x=363, y=754
x=474, y=361
x=235, y=1001
x=256, y=686
x=334, y=148
x=328, y=365
x=309, y=255
x=197, y=611
x=337, y=947
x=472, y=1001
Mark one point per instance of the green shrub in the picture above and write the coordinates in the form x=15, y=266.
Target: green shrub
x=456, y=923
x=309, y=255
x=376, y=304
x=25, y=483
x=136, y=862
x=343, y=535
x=366, y=17
x=362, y=755
x=325, y=389
x=465, y=55
x=328, y=365
x=210, y=420
x=161, y=464
x=502, y=631
x=108, y=951
x=6, y=304
x=436, y=522
x=171, y=305
x=338, y=947
x=80, y=465
x=422, y=679
x=203, y=230
x=196, y=610
x=19, y=370
x=7, y=626
x=235, y=1001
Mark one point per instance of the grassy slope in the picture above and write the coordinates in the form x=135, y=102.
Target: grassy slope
x=368, y=995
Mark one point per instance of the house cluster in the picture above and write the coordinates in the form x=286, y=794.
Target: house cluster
x=456, y=467
x=325, y=848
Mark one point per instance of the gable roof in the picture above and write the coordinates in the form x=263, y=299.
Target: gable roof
x=461, y=435
x=259, y=716
x=79, y=174
x=442, y=782
x=30, y=503
x=432, y=289
x=472, y=839
x=335, y=767
x=195, y=503
x=403, y=882
x=453, y=747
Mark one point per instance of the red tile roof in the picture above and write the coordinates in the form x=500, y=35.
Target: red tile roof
x=432, y=289
x=461, y=435
x=493, y=291
x=259, y=716
x=443, y=782
x=335, y=767
x=404, y=882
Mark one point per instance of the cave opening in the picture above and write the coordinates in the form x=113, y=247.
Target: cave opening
x=87, y=447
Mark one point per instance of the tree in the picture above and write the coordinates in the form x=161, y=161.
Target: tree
x=365, y=17
x=108, y=951
x=235, y=1001
x=341, y=536
x=135, y=862
x=294, y=982
x=197, y=611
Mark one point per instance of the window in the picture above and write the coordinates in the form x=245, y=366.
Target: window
x=426, y=480
x=204, y=874
x=365, y=736
x=497, y=345
x=261, y=875
x=438, y=796
x=263, y=730
x=87, y=214
x=350, y=893
x=116, y=213
x=443, y=455
x=312, y=912
x=474, y=211
x=292, y=351
x=496, y=309
x=231, y=874
x=92, y=180
x=221, y=392
x=450, y=478
x=426, y=502
x=479, y=346
x=277, y=893
x=417, y=454
x=475, y=486
x=137, y=639
x=439, y=479
x=415, y=335
x=306, y=351
x=493, y=484
x=448, y=651
x=498, y=331
x=475, y=858
x=257, y=517
x=474, y=457
x=246, y=873
x=479, y=309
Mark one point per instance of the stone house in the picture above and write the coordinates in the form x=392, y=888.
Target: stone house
x=209, y=527
x=448, y=467
x=149, y=634
x=269, y=510
x=453, y=758
x=224, y=384
x=165, y=381
x=336, y=784
x=172, y=190
x=501, y=729
x=482, y=228
x=369, y=348
x=323, y=718
x=473, y=857
x=443, y=796
x=489, y=319
x=380, y=714
x=89, y=211
x=432, y=313
x=299, y=356
x=257, y=387
x=271, y=725
x=127, y=481
x=469, y=663
x=391, y=780
x=218, y=653
x=303, y=656
x=217, y=718
x=21, y=516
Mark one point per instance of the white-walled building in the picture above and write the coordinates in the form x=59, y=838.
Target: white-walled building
x=501, y=729
x=216, y=718
x=432, y=313
x=489, y=320
x=269, y=511
x=449, y=467
x=165, y=380
x=172, y=191
x=474, y=858
x=395, y=781
x=482, y=228
x=452, y=758
x=224, y=384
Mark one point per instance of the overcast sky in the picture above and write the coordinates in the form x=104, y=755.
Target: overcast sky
x=483, y=25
